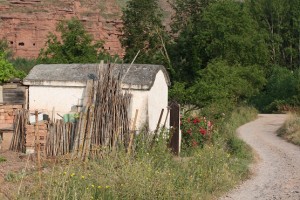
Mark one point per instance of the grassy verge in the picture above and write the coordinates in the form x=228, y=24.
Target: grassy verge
x=152, y=173
x=291, y=129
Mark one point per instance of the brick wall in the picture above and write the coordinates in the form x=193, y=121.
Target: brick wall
x=7, y=113
x=30, y=136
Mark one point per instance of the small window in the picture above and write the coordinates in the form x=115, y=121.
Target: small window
x=21, y=44
x=33, y=44
x=11, y=42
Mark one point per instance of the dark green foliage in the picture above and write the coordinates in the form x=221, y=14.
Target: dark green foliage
x=23, y=64
x=144, y=32
x=75, y=46
x=280, y=19
x=220, y=87
x=282, y=91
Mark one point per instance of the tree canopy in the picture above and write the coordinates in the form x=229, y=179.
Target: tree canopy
x=143, y=31
x=7, y=70
x=74, y=46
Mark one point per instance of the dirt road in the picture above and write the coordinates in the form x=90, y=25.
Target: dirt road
x=276, y=174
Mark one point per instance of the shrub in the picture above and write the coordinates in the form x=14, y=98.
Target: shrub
x=195, y=131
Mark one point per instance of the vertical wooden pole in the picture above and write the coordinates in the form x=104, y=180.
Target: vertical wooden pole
x=38, y=145
x=158, y=123
x=132, y=131
x=175, y=141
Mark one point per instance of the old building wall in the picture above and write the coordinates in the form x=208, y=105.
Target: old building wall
x=158, y=100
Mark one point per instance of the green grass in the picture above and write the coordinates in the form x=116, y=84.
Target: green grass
x=152, y=173
x=291, y=129
x=2, y=159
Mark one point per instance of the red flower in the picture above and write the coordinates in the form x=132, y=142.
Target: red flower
x=202, y=131
x=196, y=120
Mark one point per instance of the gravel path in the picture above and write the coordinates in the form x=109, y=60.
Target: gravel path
x=276, y=175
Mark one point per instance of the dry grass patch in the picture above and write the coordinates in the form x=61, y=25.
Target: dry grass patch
x=291, y=129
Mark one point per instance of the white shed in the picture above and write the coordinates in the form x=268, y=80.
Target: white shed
x=61, y=87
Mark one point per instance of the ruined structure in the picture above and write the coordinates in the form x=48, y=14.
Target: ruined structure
x=25, y=24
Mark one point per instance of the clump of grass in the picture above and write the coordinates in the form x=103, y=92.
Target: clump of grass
x=150, y=172
x=291, y=129
x=14, y=176
x=2, y=159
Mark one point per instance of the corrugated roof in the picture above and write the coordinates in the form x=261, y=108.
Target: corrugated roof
x=140, y=75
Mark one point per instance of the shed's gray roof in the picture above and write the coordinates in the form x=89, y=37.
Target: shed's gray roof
x=142, y=75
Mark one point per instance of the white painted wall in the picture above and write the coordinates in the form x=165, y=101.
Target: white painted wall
x=44, y=98
x=139, y=101
x=158, y=100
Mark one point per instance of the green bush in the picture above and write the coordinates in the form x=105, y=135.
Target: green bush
x=282, y=92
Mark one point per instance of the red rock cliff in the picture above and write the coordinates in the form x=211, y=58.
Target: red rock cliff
x=25, y=24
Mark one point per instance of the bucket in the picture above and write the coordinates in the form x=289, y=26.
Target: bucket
x=66, y=118
x=72, y=117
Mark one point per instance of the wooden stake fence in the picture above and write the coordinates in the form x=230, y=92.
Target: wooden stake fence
x=19, y=137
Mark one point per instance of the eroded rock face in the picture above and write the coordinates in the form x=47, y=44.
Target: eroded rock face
x=25, y=24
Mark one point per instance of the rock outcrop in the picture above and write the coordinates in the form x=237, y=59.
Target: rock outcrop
x=25, y=24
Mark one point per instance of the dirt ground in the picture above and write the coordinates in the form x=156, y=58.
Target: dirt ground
x=276, y=174
x=11, y=172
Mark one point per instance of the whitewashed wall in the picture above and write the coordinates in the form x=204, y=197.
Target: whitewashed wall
x=139, y=101
x=44, y=98
x=158, y=100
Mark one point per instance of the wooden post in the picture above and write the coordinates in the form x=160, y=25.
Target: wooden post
x=158, y=123
x=132, y=131
x=38, y=145
x=175, y=128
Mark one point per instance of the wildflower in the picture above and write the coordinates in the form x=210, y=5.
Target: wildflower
x=65, y=173
x=209, y=124
x=73, y=174
x=99, y=187
x=93, y=185
x=107, y=187
x=202, y=131
x=82, y=177
x=196, y=120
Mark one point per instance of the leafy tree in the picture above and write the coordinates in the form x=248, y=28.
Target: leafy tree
x=280, y=19
x=187, y=13
x=225, y=31
x=143, y=31
x=75, y=46
x=226, y=86
x=282, y=90
x=7, y=70
x=218, y=55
